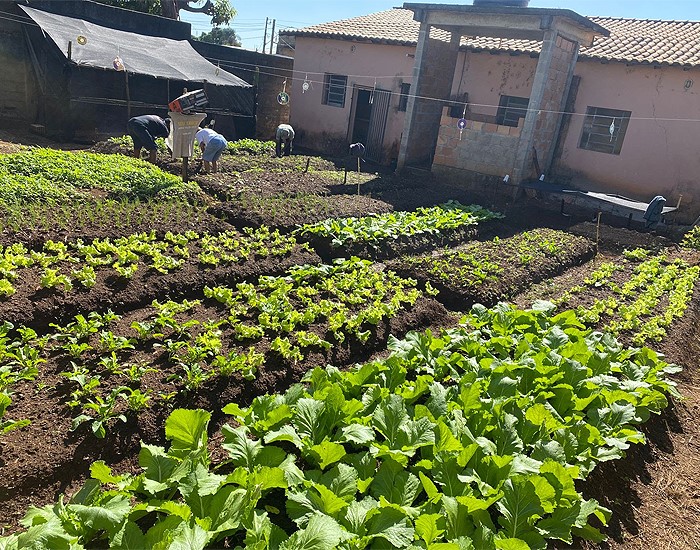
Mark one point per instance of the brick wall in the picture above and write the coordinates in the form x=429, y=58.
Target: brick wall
x=484, y=147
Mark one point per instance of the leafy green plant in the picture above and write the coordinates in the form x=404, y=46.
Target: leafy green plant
x=375, y=228
x=104, y=412
x=251, y=147
x=477, y=437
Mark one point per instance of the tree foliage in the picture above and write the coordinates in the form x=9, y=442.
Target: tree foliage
x=224, y=36
x=221, y=11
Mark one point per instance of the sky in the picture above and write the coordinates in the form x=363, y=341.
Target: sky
x=249, y=23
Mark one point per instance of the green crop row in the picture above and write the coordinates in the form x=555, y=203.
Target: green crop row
x=246, y=145
x=632, y=307
x=65, y=265
x=472, y=439
x=477, y=263
x=311, y=309
x=48, y=175
x=378, y=227
x=692, y=239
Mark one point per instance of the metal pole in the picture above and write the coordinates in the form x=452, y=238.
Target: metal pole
x=265, y=37
x=272, y=35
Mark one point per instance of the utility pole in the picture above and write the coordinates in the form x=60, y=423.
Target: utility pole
x=272, y=34
x=265, y=37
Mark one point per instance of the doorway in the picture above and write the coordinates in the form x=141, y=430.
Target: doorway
x=371, y=107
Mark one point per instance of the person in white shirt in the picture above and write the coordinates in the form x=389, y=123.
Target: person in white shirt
x=212, y=145
x=284, y=134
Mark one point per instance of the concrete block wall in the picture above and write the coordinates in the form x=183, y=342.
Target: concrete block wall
x=433, y=75
x=484, y=147
x=554, y=94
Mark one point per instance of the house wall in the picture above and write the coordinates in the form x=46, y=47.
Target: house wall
x=658, y=156
x=485, y=77
x=325, y=127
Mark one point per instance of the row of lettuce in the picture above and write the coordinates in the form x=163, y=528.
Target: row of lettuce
x=472, y=438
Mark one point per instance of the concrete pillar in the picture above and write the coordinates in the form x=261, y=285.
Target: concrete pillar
x=573, y=58
x=433, y=72
x=523, y=157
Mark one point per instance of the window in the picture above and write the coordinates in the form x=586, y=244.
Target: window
x=403, y=98
x=597, y=126
x=334, y=90
x=458, y=104
x=511, y=109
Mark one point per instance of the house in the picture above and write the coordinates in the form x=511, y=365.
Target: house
x=602, y=104
x=62, y=75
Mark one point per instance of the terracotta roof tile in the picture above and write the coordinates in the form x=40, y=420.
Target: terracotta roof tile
x=648, y=41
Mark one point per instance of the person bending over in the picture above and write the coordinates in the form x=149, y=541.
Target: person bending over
x=144, y=130
x=284, y=134
x=212, y=145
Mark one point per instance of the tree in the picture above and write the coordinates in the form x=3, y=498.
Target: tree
x=221, y=11
x=224, y=36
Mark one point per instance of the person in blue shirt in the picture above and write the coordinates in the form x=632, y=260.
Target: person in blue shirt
x=144, y=130
x=212, y=145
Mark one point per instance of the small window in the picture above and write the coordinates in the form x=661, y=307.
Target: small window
x=458, y=105
x=403, y=98
x=511, y=109
x=334, y=90
x=604, y=130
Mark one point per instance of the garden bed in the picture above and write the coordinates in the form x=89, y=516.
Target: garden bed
x=490, y=271
x=62, y=280
x=651, y=491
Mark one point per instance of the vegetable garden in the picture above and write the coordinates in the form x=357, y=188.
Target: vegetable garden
x=265, y=358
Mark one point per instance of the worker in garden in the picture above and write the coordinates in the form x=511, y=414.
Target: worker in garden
x=144, y=130
x=212, y=145
x=285, y=133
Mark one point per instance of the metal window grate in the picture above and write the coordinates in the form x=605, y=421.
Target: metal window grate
x=596, y=135
x=334, y=90
x=511, y=109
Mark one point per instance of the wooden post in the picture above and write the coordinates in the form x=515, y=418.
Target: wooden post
x=308, y=161
x=597, y=234
x=185, y=175
x=358, y=175
x=70, y=50
x=128, y=95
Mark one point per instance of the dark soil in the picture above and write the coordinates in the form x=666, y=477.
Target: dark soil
x=36, y=307
x=653, y=492
x=45, y=459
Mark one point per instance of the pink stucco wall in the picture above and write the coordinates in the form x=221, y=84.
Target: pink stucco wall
x=325, y=127
x=658, y=156
x=485, y=77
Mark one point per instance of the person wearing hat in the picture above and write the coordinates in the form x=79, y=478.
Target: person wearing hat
x=212, y=145
x=285, y=133
x=144, y=130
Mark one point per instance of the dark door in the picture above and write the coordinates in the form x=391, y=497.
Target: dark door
x=371, y=110
x=363, y=112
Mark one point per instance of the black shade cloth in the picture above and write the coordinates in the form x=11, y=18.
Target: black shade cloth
x=140, y=54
